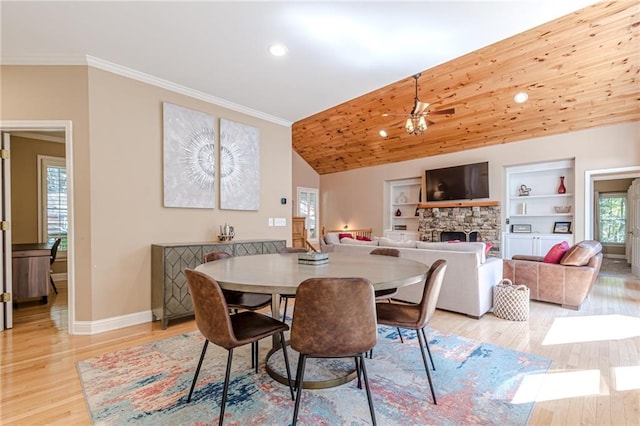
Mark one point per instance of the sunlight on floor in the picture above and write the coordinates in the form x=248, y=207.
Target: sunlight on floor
x=552, y=386
x=626, y=378
x=592, y=329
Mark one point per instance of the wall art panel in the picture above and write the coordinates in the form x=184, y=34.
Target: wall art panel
x=239, y=166
x=189, y=157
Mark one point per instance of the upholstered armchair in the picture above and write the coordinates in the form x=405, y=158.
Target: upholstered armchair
x=567, y=283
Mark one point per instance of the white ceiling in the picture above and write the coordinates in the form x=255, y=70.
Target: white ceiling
x=337, y=50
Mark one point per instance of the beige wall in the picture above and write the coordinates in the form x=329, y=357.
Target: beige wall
x=303, y=176
x=355, y=197
x=24, y=185
x=117, y=182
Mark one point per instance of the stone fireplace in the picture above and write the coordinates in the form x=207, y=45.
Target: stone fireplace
x=474, y=221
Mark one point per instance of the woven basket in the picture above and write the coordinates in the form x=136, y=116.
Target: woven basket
x=511, y=302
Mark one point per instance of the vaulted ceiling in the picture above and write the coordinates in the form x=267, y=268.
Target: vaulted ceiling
x=580, y=71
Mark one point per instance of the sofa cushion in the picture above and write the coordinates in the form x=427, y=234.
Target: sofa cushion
x=362, y=238
x=475, y=247
x=387, y=242
x=357, y=242
x=581, y=253
x=332, y=238
x=556, y=253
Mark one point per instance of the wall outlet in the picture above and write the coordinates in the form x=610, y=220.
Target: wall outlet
x=280, y=221
x=270, y=221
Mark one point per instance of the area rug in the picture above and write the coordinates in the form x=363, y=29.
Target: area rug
x=474, y=382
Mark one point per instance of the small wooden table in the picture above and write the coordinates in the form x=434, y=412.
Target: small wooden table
x=30, y=269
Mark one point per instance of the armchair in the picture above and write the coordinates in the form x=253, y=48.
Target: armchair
x=567, y=283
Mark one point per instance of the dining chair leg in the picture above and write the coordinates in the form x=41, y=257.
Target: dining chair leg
x=284, y=314
x=255, y=356
x=286, y=363
x=426, y=342
x=226, y=387
x=358, y=371
x=53, y=284
x=400, y=334
x=299, y=380
x=426, y=367
x=366, y=385
x=195, y=376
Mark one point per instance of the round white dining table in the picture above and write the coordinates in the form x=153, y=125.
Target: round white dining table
x=278, y=274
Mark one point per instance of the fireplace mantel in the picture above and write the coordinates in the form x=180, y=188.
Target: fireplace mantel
x=444, y=204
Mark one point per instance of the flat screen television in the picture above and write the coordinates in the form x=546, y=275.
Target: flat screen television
x=466, y=182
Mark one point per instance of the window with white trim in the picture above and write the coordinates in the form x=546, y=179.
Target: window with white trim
x=612, y=217
x=52, y=189
x=308, y=207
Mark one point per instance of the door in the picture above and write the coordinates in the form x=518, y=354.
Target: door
x=633, y=202
x=6, y=308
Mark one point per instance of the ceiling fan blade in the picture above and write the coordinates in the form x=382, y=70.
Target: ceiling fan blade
x=444, y=111
x=420, y=107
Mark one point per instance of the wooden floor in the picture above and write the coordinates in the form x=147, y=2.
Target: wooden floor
x=587, y=383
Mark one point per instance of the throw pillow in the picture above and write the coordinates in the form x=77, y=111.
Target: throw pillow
x=581, y=253
x=555, y=254
x=344, y=235
x=487, y=247
x=362, y=238
x=358, y=242
x=331, y=238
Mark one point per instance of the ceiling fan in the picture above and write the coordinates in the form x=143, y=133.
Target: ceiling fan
x=417, y=121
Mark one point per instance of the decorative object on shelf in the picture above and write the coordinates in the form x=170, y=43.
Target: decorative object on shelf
x=226, y=233
x=562, y=209
x=562, y=189
x=523, y=208
x=398, y=212
x=521, y=228
x=523, y=190
x=402, y=198
x=399, y=227
x=562, y=228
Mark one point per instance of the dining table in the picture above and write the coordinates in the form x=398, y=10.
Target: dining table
x=281, y=273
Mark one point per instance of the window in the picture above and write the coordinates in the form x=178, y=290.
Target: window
x=612, y=217
x=308, y=207
x=52, y=189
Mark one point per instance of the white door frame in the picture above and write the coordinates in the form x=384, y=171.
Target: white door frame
x=66, y=126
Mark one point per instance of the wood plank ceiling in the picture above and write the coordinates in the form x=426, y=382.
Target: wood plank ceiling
x=580, y=71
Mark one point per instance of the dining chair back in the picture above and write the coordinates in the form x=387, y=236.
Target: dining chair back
x=225, y=330
x=326, y=324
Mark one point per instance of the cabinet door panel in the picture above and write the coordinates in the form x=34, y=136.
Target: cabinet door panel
x=518, y=244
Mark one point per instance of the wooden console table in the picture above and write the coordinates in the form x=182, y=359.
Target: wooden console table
x=30, y=265
x=170, y=298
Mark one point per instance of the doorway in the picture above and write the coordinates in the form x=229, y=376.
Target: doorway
x=64, y=128
x=595, y=178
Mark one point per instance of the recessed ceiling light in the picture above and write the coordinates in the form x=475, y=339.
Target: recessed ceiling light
x=383, y=133
x=520, y=97
x=278, y=49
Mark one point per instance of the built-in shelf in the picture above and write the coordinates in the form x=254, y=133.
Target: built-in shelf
x=524, y=197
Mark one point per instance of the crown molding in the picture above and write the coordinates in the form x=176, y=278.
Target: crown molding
x=165, y=84
x=39, y=136
x=98, y=63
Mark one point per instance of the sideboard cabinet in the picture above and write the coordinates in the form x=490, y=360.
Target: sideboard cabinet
x=170, y=298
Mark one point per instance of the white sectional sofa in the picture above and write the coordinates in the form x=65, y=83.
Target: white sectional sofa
x=468, y=282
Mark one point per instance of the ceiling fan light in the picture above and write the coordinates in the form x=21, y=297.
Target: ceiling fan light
x=422, y=124
x=409, y=126
x=383, y=133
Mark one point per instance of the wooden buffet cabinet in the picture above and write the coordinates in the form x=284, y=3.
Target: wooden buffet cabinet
x=170, y=296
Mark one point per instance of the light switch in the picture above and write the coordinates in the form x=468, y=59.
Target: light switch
x=280, y=221
x=270, y=221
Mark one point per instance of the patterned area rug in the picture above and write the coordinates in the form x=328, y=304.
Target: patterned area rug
x=474, y=381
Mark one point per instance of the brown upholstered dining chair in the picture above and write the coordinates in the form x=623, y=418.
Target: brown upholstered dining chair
x=239, y=299
x=225, y=330
x=326, y=324
x=417, y=316
x=286, y=297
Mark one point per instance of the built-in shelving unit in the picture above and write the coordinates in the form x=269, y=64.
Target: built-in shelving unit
x=532, y=198
x=404, y=197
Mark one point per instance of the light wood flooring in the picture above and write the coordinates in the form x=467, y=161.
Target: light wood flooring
x=594, y=378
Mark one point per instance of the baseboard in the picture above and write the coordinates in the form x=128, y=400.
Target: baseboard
x=615, y=256
x=59, y=276
x=108, y=324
